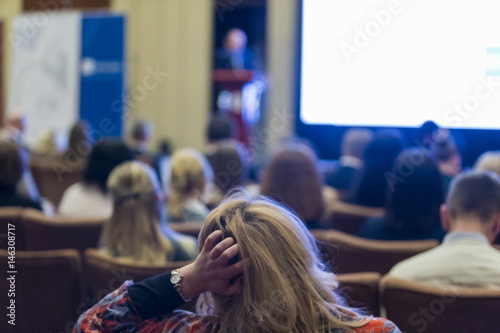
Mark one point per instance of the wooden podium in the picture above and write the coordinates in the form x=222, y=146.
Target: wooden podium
x=233, y=82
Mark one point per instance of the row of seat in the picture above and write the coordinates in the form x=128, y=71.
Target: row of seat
x=52, y=288
x=36, y=232
x=345, y=253
x=53, y=177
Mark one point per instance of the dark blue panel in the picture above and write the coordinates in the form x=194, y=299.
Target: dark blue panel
x=103, y=73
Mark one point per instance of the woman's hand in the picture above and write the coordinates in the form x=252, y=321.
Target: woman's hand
x=212, y=270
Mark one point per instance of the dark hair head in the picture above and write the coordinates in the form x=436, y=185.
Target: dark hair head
x=446, y=148
x=371, y=187
x=141, y=130
x=415, y=192
x=219, y=128
x=80, y=140
x=105, y=156
x=230, y=165
x=427, y=128
x=474, y=194
x=11, y=165
x=355, y=141
x=292, y=178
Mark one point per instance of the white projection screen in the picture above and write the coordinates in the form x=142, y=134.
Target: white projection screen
x=398, y=63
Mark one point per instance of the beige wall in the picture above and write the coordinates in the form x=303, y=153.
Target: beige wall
x=281, y=65
x=174, y=37
x=177, y=36
x=9, y=9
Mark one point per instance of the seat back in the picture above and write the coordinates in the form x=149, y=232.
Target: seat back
x=349, y=218
x=12, y=216
x=187, y=228
x=46, y=233
x=360, y=290
x=48, y=289
x=54, y=176
x=350, y=254
x=103, y=274
x=417, y=307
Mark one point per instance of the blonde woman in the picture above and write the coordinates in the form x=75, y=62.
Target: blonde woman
x=488, y=161
x=258, y=269
x=190, y=175
x=136, y=230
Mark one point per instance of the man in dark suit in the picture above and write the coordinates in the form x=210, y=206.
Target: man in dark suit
x=234, y=54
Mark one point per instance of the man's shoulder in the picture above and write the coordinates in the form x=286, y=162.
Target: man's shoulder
x=418, y=262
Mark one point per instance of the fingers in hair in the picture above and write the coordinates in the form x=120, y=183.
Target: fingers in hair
x=212, y=240
x=220, y=248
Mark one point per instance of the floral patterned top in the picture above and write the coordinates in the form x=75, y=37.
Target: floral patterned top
x=117, y=313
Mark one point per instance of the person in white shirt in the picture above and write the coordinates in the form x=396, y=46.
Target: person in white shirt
x=90, y=198
x=466, y=258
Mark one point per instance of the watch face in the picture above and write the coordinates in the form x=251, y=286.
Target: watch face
x=175, y=278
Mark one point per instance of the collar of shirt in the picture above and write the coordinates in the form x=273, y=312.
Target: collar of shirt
x=465, y=235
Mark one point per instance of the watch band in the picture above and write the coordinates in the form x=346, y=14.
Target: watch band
x=176, y=279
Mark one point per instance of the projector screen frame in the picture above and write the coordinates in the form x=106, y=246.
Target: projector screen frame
x=327, y=138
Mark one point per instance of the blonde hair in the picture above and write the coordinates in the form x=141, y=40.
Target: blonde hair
x=133, y=230
x=488, y=161
x=46, y=144
x=190, y=172
x=286, y=287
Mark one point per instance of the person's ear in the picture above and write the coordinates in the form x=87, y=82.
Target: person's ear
x=496, y=226
x=445, y=217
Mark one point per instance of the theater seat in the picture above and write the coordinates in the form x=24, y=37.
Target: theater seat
x=418, y=308
x=53, y=233
x=350, y=254
x=187, y=228
x=53, y=177
x=349, y=218
x=11, y=215
x=49, y=291
x=360, y=290
x=104, y=274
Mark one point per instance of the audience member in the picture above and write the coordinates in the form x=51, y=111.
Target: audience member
x=139, y=137
x=425, y=134
x=90, y=197
x=164, y=154
x=415, y=194
x=231, y=166
x=27, y=185
x=11, y=173
x=133, y=231
x=447, y=155
x=220, y=129
x=80, y=143
x=275, y=283
x=190, y=174
x=370, y=189
x=15, y=123
x=466, y=258
x=489, y=161
x=354, y=143
x=46, y=145
x=292, y=179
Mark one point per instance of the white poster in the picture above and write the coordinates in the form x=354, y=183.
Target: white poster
x=45, y=81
